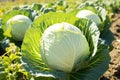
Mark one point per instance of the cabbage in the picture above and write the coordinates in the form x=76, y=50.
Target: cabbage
x=63, y=46
x=17, y=26
x=87, y=14
x=97, y=14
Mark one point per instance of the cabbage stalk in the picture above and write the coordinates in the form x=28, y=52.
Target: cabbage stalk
x=17, y=26
x=63, y=46
x=87, y=14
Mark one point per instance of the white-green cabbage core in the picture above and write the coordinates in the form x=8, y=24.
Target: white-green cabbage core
x=63, y=46
x=18, y=24
x=87, y=14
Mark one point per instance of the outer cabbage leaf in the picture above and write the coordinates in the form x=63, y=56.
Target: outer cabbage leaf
x=92, y=33
x=106, y=34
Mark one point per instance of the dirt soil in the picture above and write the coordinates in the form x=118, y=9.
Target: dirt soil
x=113, y=73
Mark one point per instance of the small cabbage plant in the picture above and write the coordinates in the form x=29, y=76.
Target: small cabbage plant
x=64, y=47
x=17, y=26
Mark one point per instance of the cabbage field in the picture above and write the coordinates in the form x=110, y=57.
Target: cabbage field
x=59, y=40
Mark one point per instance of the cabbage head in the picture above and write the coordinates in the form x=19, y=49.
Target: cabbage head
x=17, y=27
x=87, y=14
x=63, y=46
